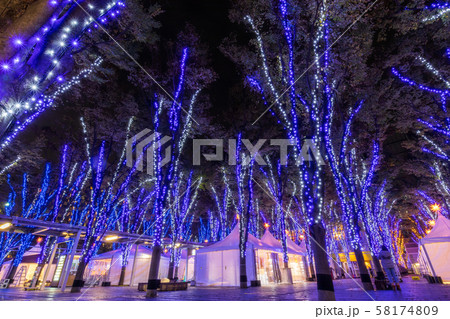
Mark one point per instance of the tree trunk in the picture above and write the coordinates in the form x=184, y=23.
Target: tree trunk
x=311, y=269
x=78, y=282
x=171, y=269
x=363, y=272
x=175, y=272
x=243, y=272
x=325, y=288
x=122, y=275
x=306, y=266
x=378, y=269
x=153, y=281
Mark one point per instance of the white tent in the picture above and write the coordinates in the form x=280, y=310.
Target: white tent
x=271, y=262
x=25, y=270
x=292, y=248
x=108, y=266
x=218, y=264
x=300, y=249
x=434, y=249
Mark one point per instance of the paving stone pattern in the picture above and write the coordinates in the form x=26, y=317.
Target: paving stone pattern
x=346, y=289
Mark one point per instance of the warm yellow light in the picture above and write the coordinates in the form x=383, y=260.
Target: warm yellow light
x=206, y=240
x=301, y=236
x=266, y=225
x=5, y=225
x=237, y=216
x=435, y=207
x=432, y=222
x=111, y=238
x=428, y=231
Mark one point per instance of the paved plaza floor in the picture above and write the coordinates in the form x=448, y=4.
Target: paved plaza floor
x=346, y=289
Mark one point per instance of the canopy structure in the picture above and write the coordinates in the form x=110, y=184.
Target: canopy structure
x=300, y=249
x=231, y=242
x=292, y=248
x=107, y=267
x=271, y=262
x=434, y=249
x=218, y=264
x=26, y=268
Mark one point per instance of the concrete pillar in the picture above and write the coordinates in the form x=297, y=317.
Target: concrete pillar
x=133, y=270
x=63, y=272
x=50, y=262
x=70, y=261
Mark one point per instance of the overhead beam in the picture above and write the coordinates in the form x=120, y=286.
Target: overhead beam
x=42, y=227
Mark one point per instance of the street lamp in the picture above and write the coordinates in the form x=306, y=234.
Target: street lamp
x=435, y=207
x=5, y=225
x=111, y=238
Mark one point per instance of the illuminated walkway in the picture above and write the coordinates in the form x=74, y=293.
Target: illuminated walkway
x=345, y=290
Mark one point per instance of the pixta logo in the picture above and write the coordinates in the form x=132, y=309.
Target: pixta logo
x=307, y=153
x=146, y=145
x=145, y=148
